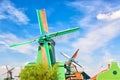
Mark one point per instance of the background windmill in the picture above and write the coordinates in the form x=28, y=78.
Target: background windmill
x=72, y=59
x=17, y=77
x=71, y=70
x=46, y=52
x=9, y=73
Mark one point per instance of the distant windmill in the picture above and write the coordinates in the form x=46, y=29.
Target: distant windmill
x=72, y=59
x=9, y=73
x=72, y=72
x=18, y=76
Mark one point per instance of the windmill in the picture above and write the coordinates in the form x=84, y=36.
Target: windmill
x=18, y=76
x=9, y=73
x=72, y=59
x=46, y=52
x=71, y=71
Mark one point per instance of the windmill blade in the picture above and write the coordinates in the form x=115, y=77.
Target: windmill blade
x=4, y=73
x=47, y=52
x=12, y=69
x=77, y=63
x=72, y=59
x=19, y=44
x=7, y=68
x=63, y=32
x=44, y=55
x=42, y=21
x=75, y=55
x=17, y=76
x=65, y=55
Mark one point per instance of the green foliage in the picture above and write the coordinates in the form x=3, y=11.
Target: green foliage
x=39, y=72
x=8, y=79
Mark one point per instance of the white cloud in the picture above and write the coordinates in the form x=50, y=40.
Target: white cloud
x=93, y=6
x=9, y=11
x=89, y=9
x=85, y=6
x=107, y=58
x=6, y=39
x=97, y=38
x=66, y=37
x=109, y=16
x=102, y=64
x=2, y=17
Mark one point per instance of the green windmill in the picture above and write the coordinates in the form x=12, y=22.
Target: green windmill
x=46, y=52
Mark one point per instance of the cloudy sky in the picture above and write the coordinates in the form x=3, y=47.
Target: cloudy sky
x=98, y=37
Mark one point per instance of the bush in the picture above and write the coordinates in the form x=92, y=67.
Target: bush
x=39, y=72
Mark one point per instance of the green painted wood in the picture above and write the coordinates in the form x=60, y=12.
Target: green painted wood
x=61, y=70
x=47, y=53
x=63, y=32
x=40, y=23
x=52, y=52
x=39, y=56
x=27, y=42
x=112, y=74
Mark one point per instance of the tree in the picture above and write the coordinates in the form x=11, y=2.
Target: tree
x=39, y=72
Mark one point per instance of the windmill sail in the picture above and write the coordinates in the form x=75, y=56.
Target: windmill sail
x=42, y=21
x=63, y=32
x=72, y=59
x=75, y=55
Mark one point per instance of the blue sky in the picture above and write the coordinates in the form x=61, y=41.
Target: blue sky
x=98, y=37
